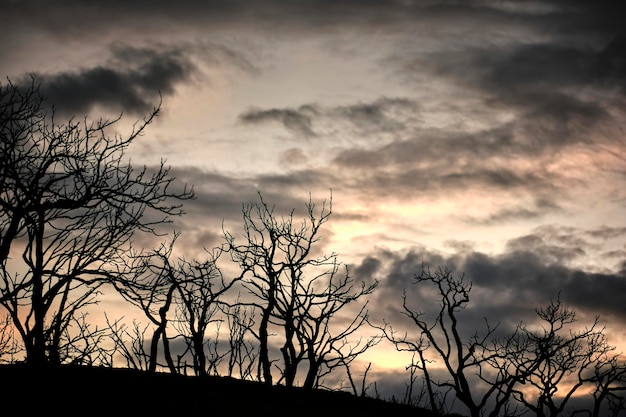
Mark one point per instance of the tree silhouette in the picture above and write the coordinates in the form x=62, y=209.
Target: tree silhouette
x=70, y=206
x=463, y=357
x=319, y=300
x=8, y=345
x=609, y=379
x=184, y=295
x=297, y=293
x=535, y=369
x=559, y=360
x=129, y=344
x=151, y=285
x=243, y=353
x=200, y=300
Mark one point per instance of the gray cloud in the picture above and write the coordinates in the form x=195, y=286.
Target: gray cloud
x=367, y=269
x=606, y=232
x=558, y=87
x=547, y=100
x=543, y=79
x=220, y=200
x=298, y=121
x=507, y=287
x=295, y=15
x=134, y=78
x=610, y=65
x=426, y=164
x=130, y=82
x=449, y=148
x=565, y=16
x=537, y=209
x=220, y=197
x=445, y=175
x=384, y=114
x=293, y=156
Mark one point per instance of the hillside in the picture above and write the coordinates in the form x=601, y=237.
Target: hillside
x=85, y=390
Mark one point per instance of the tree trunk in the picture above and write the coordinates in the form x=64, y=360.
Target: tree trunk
x=36, y=356
x=154, y=349
x=289, y=352
x=264, y=360
x=198, y=351
x=314, y=366
x=311, y=375
x=429, y=383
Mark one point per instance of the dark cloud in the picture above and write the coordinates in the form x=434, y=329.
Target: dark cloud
x=610, y=65
x=544, y=84
x=380, y=115
x=367, y=269
x=68, y=20
x=291, y=186
x=69, y=15
x=298, y=121
x=565, y=16
x=496, y=177
x=530, y=279
x=131, y=82
x=451, y=149
x=293, y=156
x=543, y=81
x=431, y=161
x=520, y=211
x=427, y=163
x=537, y=64
x=133, y=79
x=582, y=19
x=606, y=232
x=551, y=239
x=560, y=89
x=220, y=200
x=218, y=196
x=552, y=65
x=221, y=197
x=437, y=178
x=506, y=287
x=383, y=114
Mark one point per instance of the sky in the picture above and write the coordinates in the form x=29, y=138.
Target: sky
x=484, y=136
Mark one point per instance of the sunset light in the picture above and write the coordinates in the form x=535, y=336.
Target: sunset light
x=421, y=197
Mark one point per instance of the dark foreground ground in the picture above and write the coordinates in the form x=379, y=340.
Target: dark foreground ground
x=69, y=391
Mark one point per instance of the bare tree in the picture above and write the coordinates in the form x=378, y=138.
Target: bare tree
x=191, y=291
x=362, y=391
x=319, y=301
x=419, y=364
x=200, y=302
x=296, y=293
x=468, y=360
x=152, y=286
x=130, y=345
x=9, y=345
x=243, y=353
x=70, y=205
x=535, y=369
x=84, y=343
x=609, y=380
x=560, y=359
x=270, y=246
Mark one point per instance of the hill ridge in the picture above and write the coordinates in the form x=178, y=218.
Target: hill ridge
x=75, y=390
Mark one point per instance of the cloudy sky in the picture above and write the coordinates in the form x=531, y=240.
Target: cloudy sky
x=487, y=136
